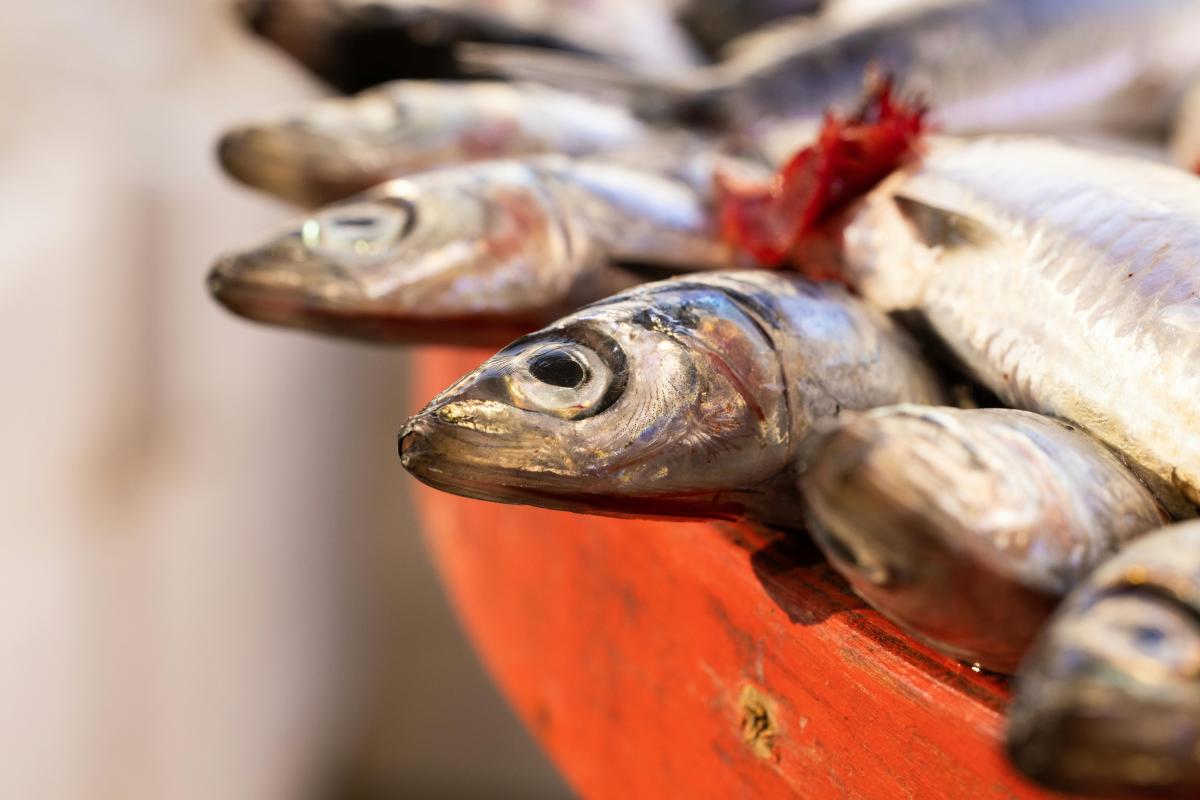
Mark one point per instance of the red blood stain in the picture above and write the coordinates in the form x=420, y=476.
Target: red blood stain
x=851, y=155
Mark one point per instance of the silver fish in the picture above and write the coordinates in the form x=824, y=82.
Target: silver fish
x=469, y=254
x=980, y=64
x=1064, y=279
x=692, y=397
x=967, y=526
x=332, y=148
x=355, y=44
x=1108, y=701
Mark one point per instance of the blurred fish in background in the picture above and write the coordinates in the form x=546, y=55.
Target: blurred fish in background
x=212, y=584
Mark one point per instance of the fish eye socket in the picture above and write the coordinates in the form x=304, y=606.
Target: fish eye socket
x=558, y=368
x=357, y=233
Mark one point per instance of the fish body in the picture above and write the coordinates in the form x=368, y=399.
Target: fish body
x=1108, y=700
x=470, y=254
x=1016, y=65
x=718, y=23
x=692, y=397
x=1065, y=280
x=967, y=526
x=356, y=44
x=333, y=148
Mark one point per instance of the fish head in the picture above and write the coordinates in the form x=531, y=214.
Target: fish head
x=666, y=402
x=1109, y=700
x=335, y=147
x=457, y=247
x=912, y=504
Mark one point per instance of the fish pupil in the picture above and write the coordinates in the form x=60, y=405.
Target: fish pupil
x=557, y=368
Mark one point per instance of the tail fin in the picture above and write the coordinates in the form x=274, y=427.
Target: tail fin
x=690, y=97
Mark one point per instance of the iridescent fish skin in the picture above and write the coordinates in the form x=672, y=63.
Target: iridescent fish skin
x=467, y=254
x=967, y=526
x=333, y=148
x=686, y=398
x=355, y=44
x=1064, y=279
x=1108, y=700
x=982, y=65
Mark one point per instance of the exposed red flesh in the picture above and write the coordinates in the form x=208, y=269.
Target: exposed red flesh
x=851, y=155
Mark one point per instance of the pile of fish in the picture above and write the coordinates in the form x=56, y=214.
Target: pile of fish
x=723, y=287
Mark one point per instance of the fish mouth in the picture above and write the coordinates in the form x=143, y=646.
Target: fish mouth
x=304, y=176
x=427, y=451
x=1097, y=738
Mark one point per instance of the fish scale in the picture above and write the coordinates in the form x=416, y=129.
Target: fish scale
x=1037, y=296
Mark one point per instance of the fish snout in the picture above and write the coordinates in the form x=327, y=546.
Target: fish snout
x=256, y=15
x=413, y=443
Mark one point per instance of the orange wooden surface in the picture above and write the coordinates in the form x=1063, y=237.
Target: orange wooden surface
x=660, y=660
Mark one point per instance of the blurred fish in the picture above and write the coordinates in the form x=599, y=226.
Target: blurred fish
x=966, y=527
x=1064, y=279
x=470, y=253
x=1108, y=701
x=692, y=397
x=980, y=64
x=355, y=44
x=716, y=23
x=330, y=149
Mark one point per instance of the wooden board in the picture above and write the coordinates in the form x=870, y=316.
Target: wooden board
x=659, y=659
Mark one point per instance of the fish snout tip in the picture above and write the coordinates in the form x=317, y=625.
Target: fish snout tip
x=412, y=442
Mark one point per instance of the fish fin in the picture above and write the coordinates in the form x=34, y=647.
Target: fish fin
x=669, y=97
x=942, y=228
x=850, y=157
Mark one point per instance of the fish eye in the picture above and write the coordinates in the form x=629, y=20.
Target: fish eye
x=357, y=233
x=558, y=368
x=565, y=379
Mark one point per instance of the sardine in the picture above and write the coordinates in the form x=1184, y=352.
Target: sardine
x=980, y=64
x=330, y=149
x=1064, y=279
x=966, y=527
x=692, y=397
x=469, y=254
x=1108, y=700
x=715, y=24
x=355, y=44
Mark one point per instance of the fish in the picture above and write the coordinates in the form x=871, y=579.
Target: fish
x=1108, y=701
x=690, y=398
x=1063, y=279
x=981, y=65
x=717, y=24
x=966, y=527
x=332, y=148
x=473, y=254
x=355, y=44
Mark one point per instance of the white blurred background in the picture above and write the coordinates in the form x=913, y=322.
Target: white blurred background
x=212, y=582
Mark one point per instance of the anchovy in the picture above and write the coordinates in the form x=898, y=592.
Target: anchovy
x=966, y=527
x=333, y=148
x=471, y=254
x=1108, y=701
x=356, y=44
x=1064, y=279
x=980, y=64
x=692, y=397
x=716, y=24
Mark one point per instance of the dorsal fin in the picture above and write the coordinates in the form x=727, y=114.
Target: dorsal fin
x=938, y=227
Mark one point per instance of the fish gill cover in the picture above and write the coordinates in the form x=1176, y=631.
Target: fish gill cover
x=851, y=156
